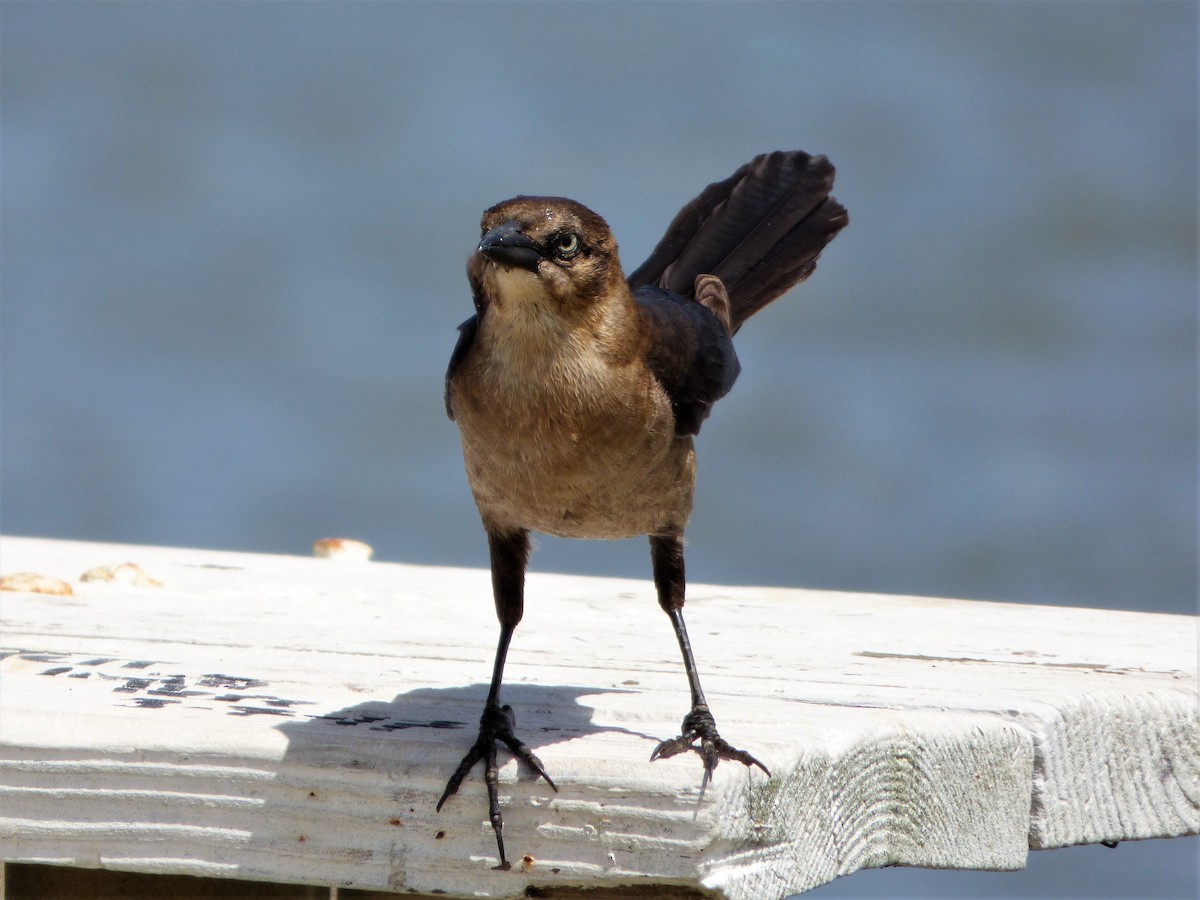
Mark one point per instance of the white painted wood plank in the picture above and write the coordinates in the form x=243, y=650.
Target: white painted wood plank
x=295, y=719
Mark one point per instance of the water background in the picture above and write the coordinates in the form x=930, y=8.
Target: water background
x=232, y=244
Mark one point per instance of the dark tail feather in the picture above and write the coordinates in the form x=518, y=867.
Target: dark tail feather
x=760, y=231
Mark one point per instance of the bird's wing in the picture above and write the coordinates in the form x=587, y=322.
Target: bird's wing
x=466, y=336
x=690, y=352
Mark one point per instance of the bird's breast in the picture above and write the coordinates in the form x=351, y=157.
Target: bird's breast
x=565, y=440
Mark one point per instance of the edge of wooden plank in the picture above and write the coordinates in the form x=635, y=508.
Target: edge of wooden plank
x=895, y=785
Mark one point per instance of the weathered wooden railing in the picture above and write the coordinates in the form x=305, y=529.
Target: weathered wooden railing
x=294, y=720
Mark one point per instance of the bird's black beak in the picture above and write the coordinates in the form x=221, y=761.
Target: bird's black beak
x=507, y=245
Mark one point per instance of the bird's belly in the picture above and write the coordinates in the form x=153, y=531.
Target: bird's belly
x=611, y=475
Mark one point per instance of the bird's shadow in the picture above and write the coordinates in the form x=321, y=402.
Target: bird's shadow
x=545, y=714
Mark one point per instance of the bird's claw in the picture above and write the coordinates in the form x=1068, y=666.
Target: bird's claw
x=700, y=725
x=496, y=724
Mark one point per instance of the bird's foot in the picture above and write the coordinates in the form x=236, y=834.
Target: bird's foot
x=496, y=724
x=699, y=725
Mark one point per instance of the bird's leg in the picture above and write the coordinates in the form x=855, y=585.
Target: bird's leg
x=509, y=554
x=666, y=555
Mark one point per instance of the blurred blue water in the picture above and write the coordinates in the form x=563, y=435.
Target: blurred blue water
x=233, y=237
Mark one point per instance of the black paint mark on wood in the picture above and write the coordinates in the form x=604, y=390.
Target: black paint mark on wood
x=231, y=682
x=258, y=711
x=174, y=686
x=133, y=685
x=359, y=719
x=400, y=726
x=157, y=689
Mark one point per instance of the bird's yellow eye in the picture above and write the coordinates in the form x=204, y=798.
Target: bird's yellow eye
x=566, y=245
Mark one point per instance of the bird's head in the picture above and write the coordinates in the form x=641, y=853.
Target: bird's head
x=548, y=254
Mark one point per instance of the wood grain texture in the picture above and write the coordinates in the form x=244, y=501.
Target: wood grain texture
x=294, y=720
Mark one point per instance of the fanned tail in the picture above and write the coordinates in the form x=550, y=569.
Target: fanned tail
x=760, y=231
